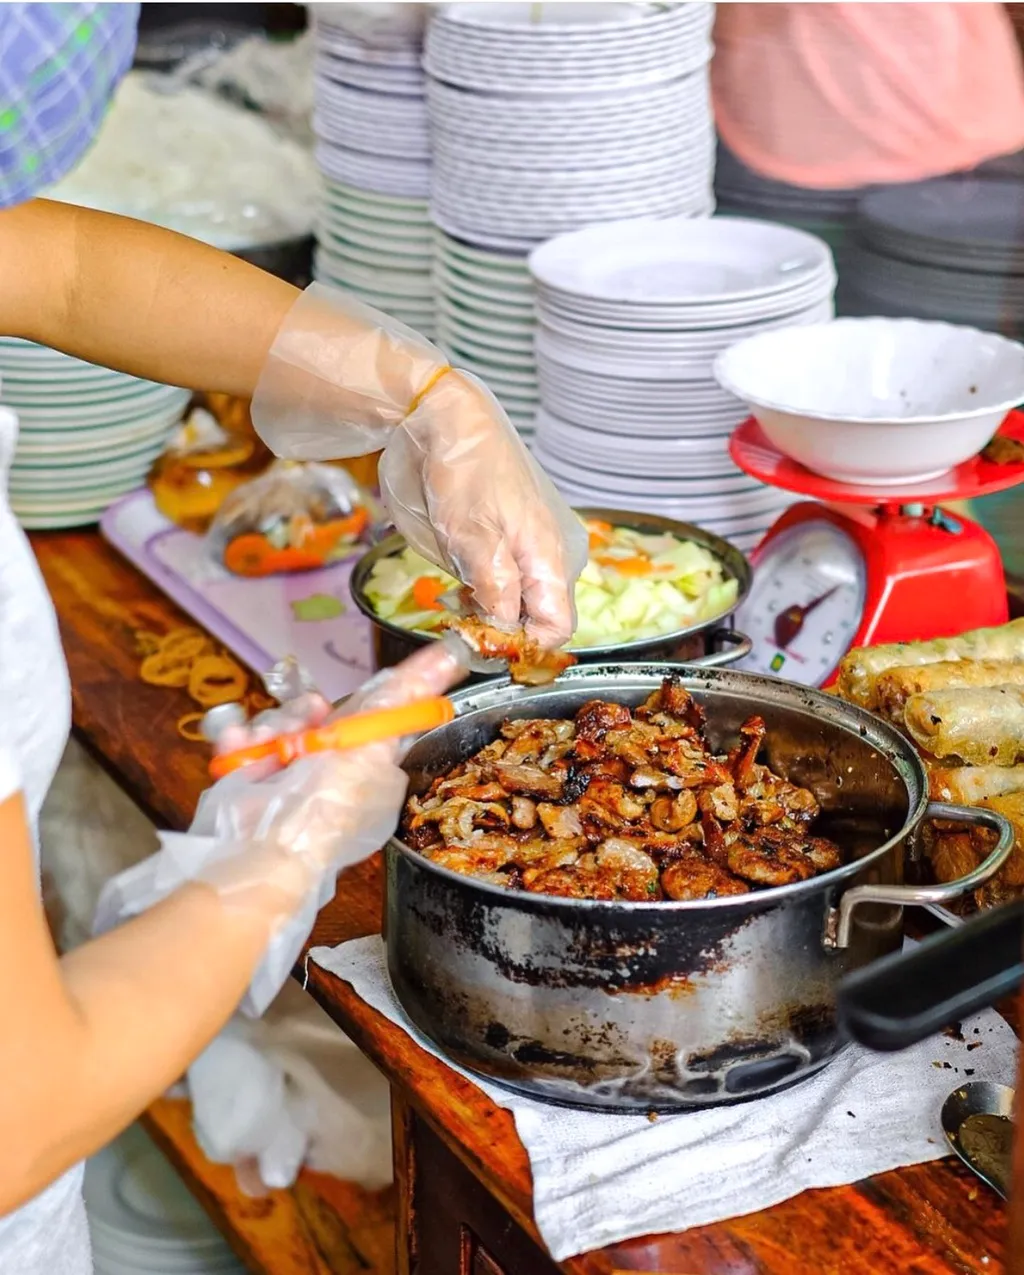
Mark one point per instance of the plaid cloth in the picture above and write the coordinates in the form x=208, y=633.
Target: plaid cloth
x=59, y=64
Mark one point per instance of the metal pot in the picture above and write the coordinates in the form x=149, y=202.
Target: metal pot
x=710, y=644
x=667, y=1006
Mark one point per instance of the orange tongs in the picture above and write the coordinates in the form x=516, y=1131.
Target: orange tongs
x=372, y=727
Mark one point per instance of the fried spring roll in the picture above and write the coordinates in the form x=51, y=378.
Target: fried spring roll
x=1012, y=806
x=860, y=669
x=894, y=687
x=972, y=785
x=982, y=726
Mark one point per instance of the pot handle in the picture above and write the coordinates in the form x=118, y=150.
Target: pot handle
x=906, y=997
x=737, y=646
x=840, y=923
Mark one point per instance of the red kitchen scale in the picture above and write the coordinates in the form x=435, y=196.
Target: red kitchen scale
x=860, y=565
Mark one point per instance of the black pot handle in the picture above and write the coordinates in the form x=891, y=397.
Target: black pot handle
x=736, y=647
x=902, y=999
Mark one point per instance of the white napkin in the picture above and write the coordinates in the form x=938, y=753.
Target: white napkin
x=599, y=1179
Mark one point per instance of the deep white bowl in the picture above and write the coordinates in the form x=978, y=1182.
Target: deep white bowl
x=881, y=401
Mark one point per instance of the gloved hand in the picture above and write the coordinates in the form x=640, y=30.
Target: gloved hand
x=292, y=830
x=343, y=379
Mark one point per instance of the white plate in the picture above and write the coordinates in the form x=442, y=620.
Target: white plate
x=520, y=229
x=679, y=318
x=407, y=178
x=397, y=238
x=500, y=342
x=134, y=410
x=483, y=321
x=516, y=359
x=511, y=381
x=681, y=262
x=86, y=438
x=504, y=280
x=513, y=301
x=508, y=262
x=41, y=392
x=394, y=207
x=381, y=258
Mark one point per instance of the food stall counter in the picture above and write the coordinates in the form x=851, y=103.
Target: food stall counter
x=462, y=1202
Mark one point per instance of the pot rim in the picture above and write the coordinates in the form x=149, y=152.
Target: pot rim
x=733, y=562
x=887, y=741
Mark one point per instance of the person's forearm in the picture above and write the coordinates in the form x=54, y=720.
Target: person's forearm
x=90, y=1041
x=137, y=298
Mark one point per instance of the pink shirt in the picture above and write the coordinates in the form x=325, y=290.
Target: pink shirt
x=836, y=95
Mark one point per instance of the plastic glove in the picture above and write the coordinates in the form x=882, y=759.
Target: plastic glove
x=343, y=379
x=293, y=829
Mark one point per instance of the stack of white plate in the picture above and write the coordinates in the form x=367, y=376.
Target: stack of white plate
x=631, y=317
x=548, y=117
x=485, y=321
x=373, y=150
x=86, y=435
x=142, y=1218
x=545, y=118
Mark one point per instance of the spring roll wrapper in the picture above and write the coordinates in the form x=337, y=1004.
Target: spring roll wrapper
x=983, y=726
x=897, y=685
x=972, y=785
x=860, y=669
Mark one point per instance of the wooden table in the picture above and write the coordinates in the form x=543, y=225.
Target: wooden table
x=463, y=1189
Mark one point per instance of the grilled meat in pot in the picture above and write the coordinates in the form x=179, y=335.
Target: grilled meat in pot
x=621, y=805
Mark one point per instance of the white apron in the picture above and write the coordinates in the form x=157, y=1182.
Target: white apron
x=49, y=1235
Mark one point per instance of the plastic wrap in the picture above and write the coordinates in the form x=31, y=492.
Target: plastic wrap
x=293, y=829
x=272, y=1094
x=979, y=725
x=295, y=517
x=343, y=379
x=859, y=670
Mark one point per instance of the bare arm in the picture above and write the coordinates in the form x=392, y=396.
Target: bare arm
x=90, y=1040
x=136, y=298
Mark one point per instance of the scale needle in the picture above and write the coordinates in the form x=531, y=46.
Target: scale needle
x=789, y=623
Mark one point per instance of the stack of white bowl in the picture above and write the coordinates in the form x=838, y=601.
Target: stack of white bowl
x=631, y=318
x=142, y=1219
x=86, y=435
x=373, y=151
x=545, y=118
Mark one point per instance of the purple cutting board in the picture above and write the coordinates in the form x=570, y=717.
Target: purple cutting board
x=259, y=620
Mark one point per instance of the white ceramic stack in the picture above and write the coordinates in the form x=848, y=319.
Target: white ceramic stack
x=142, y=1218
x=545, y=118
x=373, y=151
x=631, y=317
x=86, y=435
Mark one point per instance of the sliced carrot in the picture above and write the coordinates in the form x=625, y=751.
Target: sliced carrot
x=627, y=566
x=599, y=533
x=248, y=555
x=427, y=592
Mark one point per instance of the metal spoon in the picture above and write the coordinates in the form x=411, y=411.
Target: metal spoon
x=977, y=1119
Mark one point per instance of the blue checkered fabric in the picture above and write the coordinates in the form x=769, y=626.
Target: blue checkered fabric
x=59, y=64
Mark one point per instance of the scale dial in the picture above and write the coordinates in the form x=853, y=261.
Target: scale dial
x=806, y=603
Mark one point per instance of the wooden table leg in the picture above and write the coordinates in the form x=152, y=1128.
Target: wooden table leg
x=448, y=1223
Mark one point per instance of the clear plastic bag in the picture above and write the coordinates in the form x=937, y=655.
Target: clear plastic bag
x=295, y=517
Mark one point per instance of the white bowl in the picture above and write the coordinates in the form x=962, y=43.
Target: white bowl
x=882, y=401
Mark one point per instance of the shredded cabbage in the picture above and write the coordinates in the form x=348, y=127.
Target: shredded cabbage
x=634, y=586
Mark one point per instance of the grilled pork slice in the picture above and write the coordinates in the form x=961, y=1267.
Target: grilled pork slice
x=527, y=660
